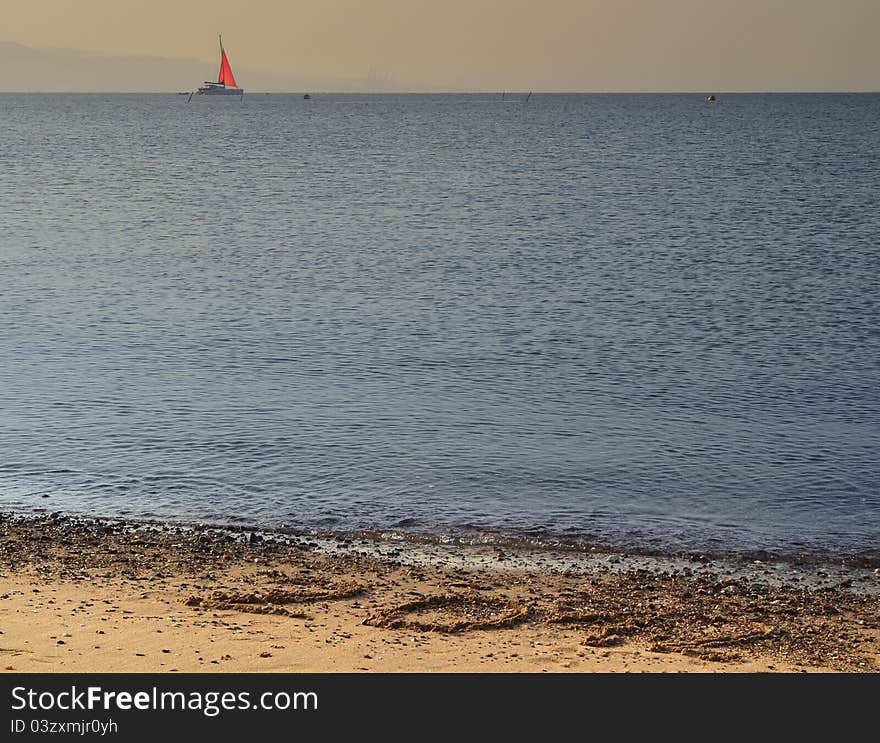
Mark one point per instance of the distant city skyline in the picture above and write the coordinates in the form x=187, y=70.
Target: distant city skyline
x=455, y=45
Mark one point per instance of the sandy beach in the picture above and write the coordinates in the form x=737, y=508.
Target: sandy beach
x=79, y=595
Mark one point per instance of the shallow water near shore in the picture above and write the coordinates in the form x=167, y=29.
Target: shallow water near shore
x=637, y=321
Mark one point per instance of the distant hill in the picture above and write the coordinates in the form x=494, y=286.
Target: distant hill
x=24, y=69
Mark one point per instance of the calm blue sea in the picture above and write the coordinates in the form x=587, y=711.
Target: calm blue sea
x=635, y=320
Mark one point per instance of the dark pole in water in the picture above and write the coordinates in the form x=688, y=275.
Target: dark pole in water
x=528, y=96
x=190, y=96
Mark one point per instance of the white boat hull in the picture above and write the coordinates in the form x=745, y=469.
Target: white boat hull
x=219, y=90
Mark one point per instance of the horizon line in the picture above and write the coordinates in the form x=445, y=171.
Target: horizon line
x=459, y=92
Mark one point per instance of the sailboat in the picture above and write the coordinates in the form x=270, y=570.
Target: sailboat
x=225, y=84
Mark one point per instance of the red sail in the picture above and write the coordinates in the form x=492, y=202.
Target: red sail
x=225, y=71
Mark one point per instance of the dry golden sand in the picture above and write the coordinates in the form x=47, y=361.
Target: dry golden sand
x=83, y=596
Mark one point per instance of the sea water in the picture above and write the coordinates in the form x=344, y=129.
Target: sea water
x=634, y=320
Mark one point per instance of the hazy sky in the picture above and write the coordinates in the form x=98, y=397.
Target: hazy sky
x=549, y=45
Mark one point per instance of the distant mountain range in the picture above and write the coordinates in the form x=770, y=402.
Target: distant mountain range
x=25, y=69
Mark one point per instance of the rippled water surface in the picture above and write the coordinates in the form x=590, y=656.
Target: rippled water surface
x=643, y=320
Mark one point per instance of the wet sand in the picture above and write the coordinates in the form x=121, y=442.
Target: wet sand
x=79, y=595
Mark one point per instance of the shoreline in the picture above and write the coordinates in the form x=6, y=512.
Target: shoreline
x=82, y=595
x=468, y=537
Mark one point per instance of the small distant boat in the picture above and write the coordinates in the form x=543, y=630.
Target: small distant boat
x=307, y=97
x=225, y=84
x=710, y=98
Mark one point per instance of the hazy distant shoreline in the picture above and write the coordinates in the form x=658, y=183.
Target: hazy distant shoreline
x=25, y=69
